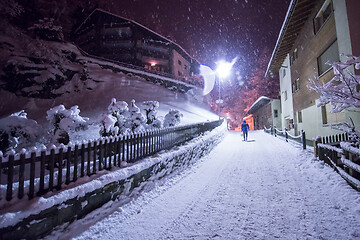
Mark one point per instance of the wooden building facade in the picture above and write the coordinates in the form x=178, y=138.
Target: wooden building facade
x=266, y=112
x=110, y=36
x=314, y=32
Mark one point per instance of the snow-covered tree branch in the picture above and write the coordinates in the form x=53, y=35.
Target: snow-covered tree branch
x=341, y=92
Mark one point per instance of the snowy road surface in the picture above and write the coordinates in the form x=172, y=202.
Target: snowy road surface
x=261, y=189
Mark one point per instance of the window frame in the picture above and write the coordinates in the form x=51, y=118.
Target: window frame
x=324, y=115
x=320, y=73
x=276, y=113
x=300, y=117
x=319, y=21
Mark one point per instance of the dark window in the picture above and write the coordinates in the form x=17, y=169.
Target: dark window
x=185, y=67
x=322, y=16
x=179, y=73
x=276, y=113
x=326, y=14
x=296, y=85
x=179, y=62
x=291, y=123
x=324, y=115
x=294, y=56
x=330, y=54
x=299, y=117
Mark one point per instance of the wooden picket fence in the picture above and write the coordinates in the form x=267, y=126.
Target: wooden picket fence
x=343, y=158
x=334, y=139
x=36, y=173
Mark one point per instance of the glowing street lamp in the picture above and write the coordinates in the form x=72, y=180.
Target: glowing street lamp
x=223, y=70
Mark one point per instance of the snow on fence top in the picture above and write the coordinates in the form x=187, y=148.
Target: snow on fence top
x=42, y=171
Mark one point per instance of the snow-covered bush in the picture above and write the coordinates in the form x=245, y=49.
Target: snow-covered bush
x=113, y=123
x=46, y=29
x=136, y=119
x=150, y=108
x=342, y=91
x=65, y=121
x=172, y=118
x=11, y=8
x=108, y=127
x=17, y=131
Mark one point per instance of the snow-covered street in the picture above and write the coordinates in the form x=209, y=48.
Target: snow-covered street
x=261, y=189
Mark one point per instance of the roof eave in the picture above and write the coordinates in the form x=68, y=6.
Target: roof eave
x=281, y=34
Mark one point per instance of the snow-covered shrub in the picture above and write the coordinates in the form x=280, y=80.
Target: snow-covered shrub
x=46, y=29
x=11, y=8
x=108, y=127
x=150, y=108
x=17, y=131
x=342, y=91
x=113, y=123
x=172, y=118
x=65, y=121
x=136, y=119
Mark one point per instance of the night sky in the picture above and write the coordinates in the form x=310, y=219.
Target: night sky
x=213, y=29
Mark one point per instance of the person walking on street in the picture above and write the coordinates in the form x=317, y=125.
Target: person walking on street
x=245, y=128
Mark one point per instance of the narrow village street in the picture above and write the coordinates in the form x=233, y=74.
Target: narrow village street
x=261, y=189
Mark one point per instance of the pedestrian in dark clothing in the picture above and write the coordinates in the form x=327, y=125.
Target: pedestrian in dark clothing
x=245, y=128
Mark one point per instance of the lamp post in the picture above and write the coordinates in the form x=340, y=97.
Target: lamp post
x=223, y=70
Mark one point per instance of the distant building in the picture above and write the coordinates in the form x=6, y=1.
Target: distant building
x=110, y=36
x=249, y=120
x=266, y=112
x=314, y=32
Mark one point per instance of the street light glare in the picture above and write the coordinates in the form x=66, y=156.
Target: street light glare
x=223, y=68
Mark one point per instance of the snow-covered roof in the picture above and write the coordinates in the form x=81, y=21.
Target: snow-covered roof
x=296, y=16
x=261, y=101
x=141, y=26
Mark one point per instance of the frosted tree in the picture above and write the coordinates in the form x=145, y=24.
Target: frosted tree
x=137, y=119
x=47, y=30
x=342, y=91
x=113, y=123
x=65, y=121
x=17, y=131
x=172, y=118
x=150, y=108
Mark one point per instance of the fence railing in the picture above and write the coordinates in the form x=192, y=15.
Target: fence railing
x=38, y=172
x=330, y=139
x=344, y=158
x=285, y=133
